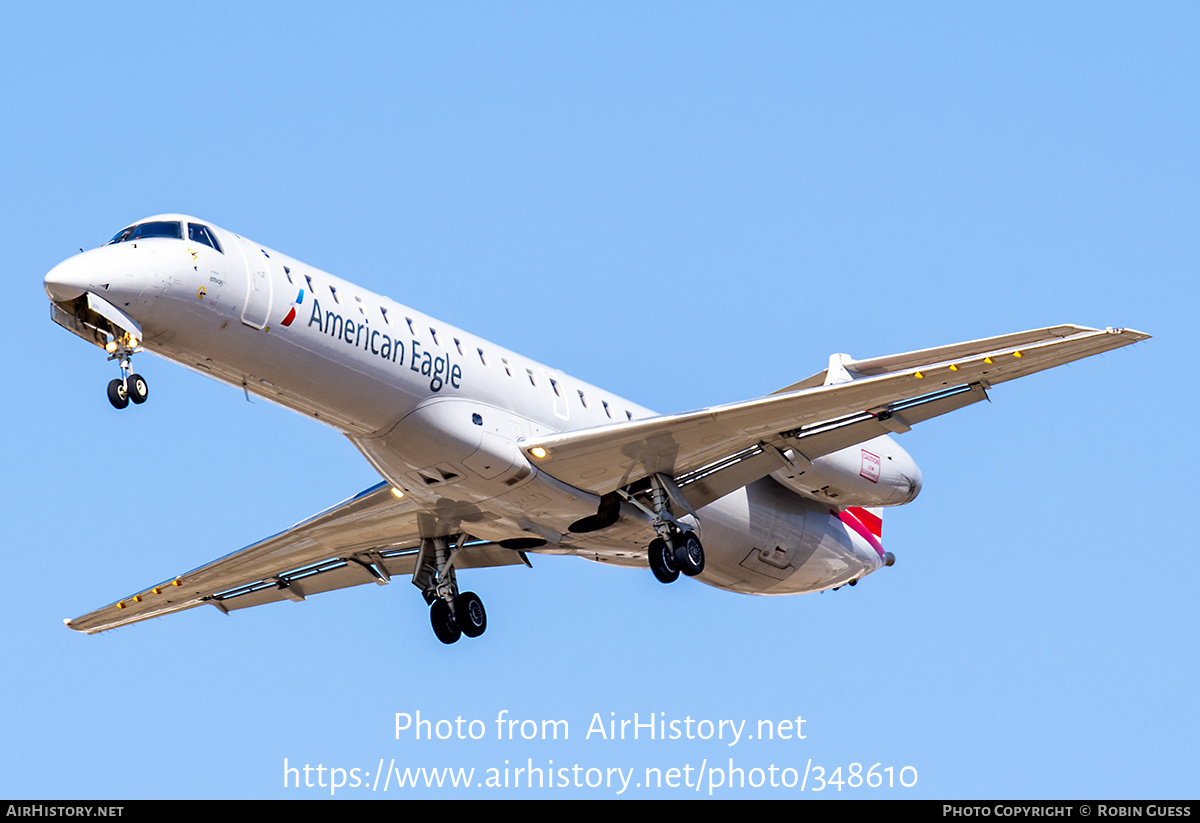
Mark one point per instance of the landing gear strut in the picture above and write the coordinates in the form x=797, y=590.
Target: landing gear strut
x=451, y=614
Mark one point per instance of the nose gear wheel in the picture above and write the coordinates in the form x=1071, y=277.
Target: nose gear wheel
x=117, y=394
x=136, y=388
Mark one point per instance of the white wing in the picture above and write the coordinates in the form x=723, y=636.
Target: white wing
x=369, y=538
x=728, y=446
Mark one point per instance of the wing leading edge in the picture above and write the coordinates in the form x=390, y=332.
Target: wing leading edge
x=741, y=441
x=369, y=538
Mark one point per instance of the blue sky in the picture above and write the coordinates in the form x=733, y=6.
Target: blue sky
x=686, y=204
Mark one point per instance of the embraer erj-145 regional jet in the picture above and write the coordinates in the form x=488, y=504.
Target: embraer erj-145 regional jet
x=487, y=456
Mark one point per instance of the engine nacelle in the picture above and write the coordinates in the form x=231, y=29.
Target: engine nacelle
x=875, y=473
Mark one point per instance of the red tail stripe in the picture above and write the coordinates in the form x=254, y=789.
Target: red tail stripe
x=872, y=521
x=847, y=517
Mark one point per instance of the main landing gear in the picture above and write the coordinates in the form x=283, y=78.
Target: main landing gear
x=129, y=386
x=466, y=616
x=681, y=551
x=676, y=548
x=452, y=614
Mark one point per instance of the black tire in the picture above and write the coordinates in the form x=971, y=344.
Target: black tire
x=689, y=554
x=444, y=624
x=662, y=561
x=469, y=614
x=137, y=389
x=117, y=395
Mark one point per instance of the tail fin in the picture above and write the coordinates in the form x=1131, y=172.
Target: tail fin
x=868, y=523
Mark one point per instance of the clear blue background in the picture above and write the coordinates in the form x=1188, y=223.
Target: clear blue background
x=685, y=203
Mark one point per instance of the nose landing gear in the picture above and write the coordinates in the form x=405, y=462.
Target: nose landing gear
x=129, y=386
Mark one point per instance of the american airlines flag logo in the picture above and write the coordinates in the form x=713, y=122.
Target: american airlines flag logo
x=291, y=315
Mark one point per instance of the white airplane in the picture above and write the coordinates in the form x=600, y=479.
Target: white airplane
x=487, y=456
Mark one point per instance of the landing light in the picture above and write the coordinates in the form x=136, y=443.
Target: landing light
x=538, y=452
x=399, y=495
x=110, y=346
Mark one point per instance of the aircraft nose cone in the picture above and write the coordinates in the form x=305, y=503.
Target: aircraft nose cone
x=68, y=280
x=117, y=273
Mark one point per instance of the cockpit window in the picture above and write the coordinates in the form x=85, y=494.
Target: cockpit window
x=155, y=228
x=203, y=234
x=120, y=236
